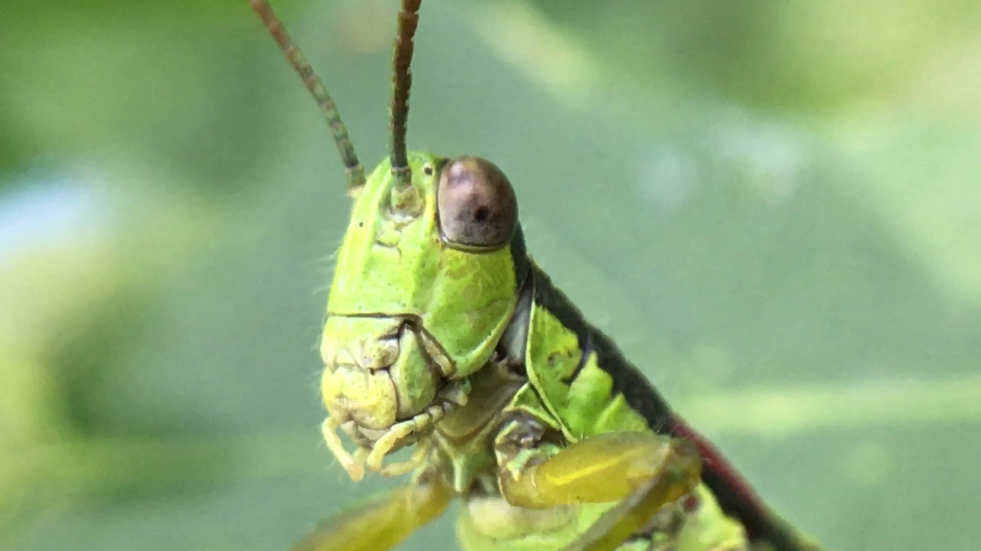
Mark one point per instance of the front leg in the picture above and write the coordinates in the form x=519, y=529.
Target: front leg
x=384, y=521
x=641, y=472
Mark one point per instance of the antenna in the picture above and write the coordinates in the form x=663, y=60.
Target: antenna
x=353, y=168
x=401, y=83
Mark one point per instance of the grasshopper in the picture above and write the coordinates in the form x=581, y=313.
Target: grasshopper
x=442, y=333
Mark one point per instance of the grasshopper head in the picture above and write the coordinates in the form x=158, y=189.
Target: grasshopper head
x=426, y=279
x=425, y=284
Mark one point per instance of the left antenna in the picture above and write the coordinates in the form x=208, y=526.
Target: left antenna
x=401, y=84
x=352, y=166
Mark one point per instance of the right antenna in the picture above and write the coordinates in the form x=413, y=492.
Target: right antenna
x=401, y=83
x=353, y=168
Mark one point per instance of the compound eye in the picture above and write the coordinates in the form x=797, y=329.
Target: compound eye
x=477, y=206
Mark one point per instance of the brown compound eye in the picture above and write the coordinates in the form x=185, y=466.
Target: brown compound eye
x=477, y=206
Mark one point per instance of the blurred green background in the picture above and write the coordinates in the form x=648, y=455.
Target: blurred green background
x=772, y=206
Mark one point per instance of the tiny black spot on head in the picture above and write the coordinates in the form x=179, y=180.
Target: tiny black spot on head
x=361, y=224
x=481, y=214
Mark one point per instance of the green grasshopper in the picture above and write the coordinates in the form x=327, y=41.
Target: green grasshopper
x=443, y=334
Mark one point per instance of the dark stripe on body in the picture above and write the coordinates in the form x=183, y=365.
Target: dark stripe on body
x=519, y=255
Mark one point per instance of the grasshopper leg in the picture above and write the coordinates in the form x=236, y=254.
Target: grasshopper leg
x=383, y=521
x=641, y=472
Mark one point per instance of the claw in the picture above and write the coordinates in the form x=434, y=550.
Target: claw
x=456, y=393
x=414, y=462
x=353, y=465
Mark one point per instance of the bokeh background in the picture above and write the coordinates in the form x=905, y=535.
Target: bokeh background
x=773, y=206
